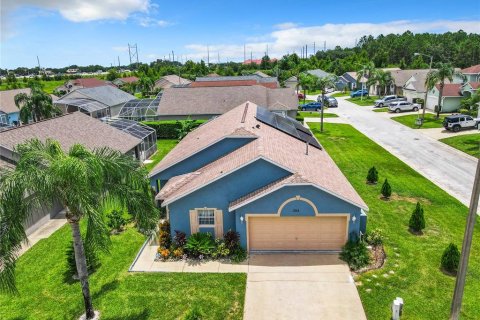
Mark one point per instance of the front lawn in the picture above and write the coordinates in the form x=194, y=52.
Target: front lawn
x=412, y=269
x=47, y=86
x=380, y=110
x=469, y=143
x=163, y=147
x=365, y=101
x=430, y=121
x=313, y=114
x=340, y=94
x=306, y=101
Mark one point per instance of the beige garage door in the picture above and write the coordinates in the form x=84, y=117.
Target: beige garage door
x=297, y=233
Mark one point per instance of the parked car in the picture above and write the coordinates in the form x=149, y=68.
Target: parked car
x=329, y=90
x=331, y=102
x=385, y=101
x=403, y=106
x=300, y=96
x=457, y=122
x=359, y=93
x=312, y=106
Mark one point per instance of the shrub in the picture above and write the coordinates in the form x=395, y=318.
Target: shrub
x=450, y=258
x=164, y=253
x=177, y=253
x=375, y=237
x=238, y=254
x=355, y=254
x=194, y=313
x=417, y=220
x=180, y=239
x=116, y=220
x=168, y=129
x=220, y=250
x=91, y=256
x=232, y=239
x=386, y=189
x=200, y=244
x=164, y=237
x=372, y=176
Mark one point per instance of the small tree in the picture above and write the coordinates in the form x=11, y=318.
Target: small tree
x=417, y=220
x=386, y=189
x=451, y=258
x=372, y=176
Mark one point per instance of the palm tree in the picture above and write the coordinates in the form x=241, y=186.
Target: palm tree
x=323, y=84
x=367, y=72
x=146, y=84
x=36, y=106
x=444, y=72
x=81, y=180
x=383, y=79
x=307, y=82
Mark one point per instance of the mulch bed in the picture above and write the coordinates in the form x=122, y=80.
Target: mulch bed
x=378, y=259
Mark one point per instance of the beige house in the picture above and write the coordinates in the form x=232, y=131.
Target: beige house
x=170, y=81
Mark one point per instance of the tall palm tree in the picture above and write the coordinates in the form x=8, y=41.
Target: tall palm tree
x=307, y=82
x=367, y=72
x=444, y=72
x=383, y=79
x=323, y=84
x=35, y=106
x=146, y=84
x=81, y=180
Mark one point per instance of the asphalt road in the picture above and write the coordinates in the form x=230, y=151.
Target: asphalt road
x=449, y=168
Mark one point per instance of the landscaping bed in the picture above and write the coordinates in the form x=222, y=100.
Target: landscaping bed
x=469, y=143
x=430, y=121
x=412, y=268
x=364, y=102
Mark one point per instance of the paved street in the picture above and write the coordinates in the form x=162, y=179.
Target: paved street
x=447, y=167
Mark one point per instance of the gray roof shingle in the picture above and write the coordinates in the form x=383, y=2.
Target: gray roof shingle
x=108, y=95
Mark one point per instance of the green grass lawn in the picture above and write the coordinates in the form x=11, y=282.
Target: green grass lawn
x=469, y=143
x=380, y=110
x=366, y=101
x=313, y=114
x=414, y=260
x=48, y=86
x=306, y=101
x=163, y=147
x=429, y=122
x=313, y=92
x=340, y=94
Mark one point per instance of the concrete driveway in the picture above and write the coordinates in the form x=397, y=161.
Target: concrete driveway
x=448, y=168
x=300, y=286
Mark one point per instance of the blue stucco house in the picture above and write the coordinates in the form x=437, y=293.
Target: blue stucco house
x=263, y=175
x=9, y=112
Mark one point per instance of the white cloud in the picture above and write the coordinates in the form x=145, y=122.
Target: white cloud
x=152, y=22
x=120, y=48
x=286, y=25
x=292, y=39
x=83, y=10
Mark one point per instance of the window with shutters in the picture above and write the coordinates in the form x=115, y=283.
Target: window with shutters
x=206, y=217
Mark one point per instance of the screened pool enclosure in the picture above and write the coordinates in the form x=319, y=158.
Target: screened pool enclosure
x=140, y=109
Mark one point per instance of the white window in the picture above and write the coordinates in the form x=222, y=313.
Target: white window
x=206, y=217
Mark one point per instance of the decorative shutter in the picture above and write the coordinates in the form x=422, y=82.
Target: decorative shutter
x=218, y=224
x=193, y=221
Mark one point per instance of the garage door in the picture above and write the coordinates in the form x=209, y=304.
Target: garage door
x=297, y=233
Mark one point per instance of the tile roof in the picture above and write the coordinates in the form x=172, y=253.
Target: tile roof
x=233, y=83
x=472, y=70
x=89, y=82
x=474, y=85
x=108, y=95
x=451, y=89
x=319, y=73
x=70, y=129
x=7, y=99
x=129, y=79
x=400, y=77
x=170, y=80
x=254, y=77
x=273, y=145
x=218, y=100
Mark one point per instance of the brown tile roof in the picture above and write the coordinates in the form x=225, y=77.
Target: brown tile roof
x=472, y=70
x=89, y=82
x=129, y=79
x=400, y=77
x=272, y=145
x=218, y=100
x=7, y=99
x=451, y=89
x=475, y=85
x=70, y=129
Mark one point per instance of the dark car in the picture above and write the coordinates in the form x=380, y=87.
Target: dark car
x=330, y=102
x=359, y=93
x=312, y=106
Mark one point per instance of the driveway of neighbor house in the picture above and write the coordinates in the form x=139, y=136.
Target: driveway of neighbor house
x=447, y=167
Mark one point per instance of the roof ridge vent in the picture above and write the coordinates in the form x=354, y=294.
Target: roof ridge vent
x=244, y=113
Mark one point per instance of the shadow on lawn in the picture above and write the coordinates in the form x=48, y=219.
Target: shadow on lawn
x=107, y=287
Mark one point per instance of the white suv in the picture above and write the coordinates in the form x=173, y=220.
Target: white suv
x=402, y=106
x=457, y=122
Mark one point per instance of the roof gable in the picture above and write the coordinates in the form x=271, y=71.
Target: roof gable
x=472, y=70
x=108, y=95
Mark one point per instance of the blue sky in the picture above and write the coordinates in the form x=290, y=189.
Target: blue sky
x=86, y=32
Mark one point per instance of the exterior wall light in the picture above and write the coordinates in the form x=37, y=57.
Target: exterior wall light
x=241, y=219
x=354, y=219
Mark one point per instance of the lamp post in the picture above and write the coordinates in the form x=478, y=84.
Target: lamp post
x=426, y=90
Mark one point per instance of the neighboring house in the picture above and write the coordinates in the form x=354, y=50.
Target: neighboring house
x=9, y=112
x=291, y=82
x=80, y=83
x=257, y=61
x=414, y=88
x=123, y=81
x=452, y=95
x=208, y=102
x=68, y=130
x=230, y=81
x=351, y=78
x=263, y=176
x=342, y=83
x=170, y=81
x=98, y=102
x=261, y=74
x=469, y=88
x=472, y=73
x=318, y=73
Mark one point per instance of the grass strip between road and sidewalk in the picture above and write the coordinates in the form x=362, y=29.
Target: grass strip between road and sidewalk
x=469, y=143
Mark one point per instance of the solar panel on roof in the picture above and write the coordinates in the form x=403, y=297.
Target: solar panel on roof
x=288, y=125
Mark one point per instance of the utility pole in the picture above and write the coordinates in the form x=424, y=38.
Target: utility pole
x=267, y=50
x=314, y=52
x=218, y=57
x=173, y=56
x=251, y=57
x=39, y=68
x=324, y=45
x=467, y=244
x=244, y=53
x=208, y=56
x=306, y=51
x=118, y=57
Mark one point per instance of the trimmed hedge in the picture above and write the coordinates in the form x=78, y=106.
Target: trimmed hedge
x=168, y=129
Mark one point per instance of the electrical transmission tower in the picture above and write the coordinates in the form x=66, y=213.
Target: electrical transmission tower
x=133, y=53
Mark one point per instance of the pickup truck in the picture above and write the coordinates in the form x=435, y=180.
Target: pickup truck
x=402, y=106
x=385, y=101
x=457, y=122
